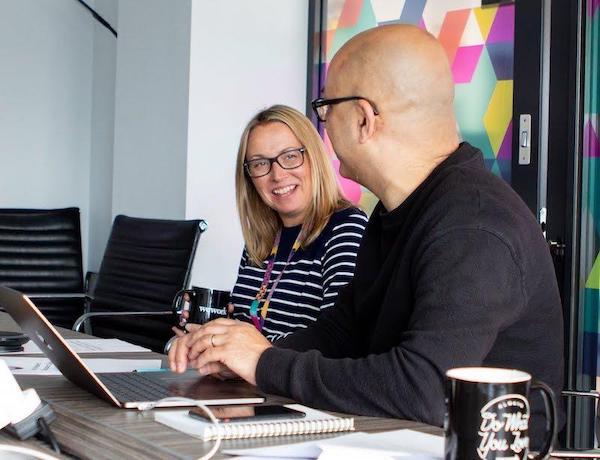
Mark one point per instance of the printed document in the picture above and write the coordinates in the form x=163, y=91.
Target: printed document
x=388, y=445
x=20, y=365
x=87, y=346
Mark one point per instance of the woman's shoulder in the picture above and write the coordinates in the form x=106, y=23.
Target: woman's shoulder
x=349, y=215
x=350, y=220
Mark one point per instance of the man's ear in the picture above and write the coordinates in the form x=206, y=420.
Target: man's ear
x=366, y=122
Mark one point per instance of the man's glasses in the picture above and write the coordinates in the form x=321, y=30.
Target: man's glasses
x=288, y=159
x=321, y=106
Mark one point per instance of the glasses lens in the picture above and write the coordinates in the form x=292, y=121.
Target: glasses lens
x=257, y=168
x=291, y=159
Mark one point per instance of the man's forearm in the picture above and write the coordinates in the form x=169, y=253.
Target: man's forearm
x=374, y=385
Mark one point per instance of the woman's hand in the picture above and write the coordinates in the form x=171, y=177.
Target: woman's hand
x=219, y=347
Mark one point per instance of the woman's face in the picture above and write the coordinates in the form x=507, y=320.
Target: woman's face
x=287, y=191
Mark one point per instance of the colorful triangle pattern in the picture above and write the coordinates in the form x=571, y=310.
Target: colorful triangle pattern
x=593, y=281
x=479, y=46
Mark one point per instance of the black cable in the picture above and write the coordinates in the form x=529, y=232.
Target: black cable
x=47, y=435
x=99, y=18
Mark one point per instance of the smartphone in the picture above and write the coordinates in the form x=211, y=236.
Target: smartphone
x=227, y=414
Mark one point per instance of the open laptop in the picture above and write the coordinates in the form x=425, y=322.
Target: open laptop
x=123, y=389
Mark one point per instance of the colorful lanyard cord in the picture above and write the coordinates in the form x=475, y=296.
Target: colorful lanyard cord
x=259, y=322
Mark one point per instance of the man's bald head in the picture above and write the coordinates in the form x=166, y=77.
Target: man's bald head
x=400, y=67
x=401, y=122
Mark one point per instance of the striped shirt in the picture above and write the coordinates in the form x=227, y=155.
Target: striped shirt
x=310, y=282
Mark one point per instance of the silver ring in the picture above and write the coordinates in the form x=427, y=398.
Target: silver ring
x=212, y=337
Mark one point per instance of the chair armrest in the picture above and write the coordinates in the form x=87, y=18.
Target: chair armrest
x=55, y=295
x=86, y=316
x=588, y=394
x=592, y=453
x=58, y=295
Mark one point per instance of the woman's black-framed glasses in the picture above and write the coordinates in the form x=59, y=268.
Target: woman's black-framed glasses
x=288, y=159
x=321, y=106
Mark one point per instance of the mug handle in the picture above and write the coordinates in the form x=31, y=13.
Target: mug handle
x=550, y=406
x=180, y=323
x=177, y=296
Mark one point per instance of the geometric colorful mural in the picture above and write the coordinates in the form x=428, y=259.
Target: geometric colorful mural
x=479, y=44
x=590, y=195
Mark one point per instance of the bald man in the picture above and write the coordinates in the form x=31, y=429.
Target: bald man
x=452, y=270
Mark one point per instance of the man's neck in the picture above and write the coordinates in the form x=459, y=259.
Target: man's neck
x=398, y=181
x=395, y=190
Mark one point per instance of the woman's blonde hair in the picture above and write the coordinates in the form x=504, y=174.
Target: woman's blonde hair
x=259, y=222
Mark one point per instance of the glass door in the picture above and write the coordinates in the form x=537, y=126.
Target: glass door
x=588, y=279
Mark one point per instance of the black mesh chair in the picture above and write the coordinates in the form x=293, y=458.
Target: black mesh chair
x=40, y=255
x=146, y=262
x=593, y=451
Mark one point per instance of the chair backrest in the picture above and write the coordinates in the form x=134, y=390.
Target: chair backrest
x=40, y=255
x=145, y=263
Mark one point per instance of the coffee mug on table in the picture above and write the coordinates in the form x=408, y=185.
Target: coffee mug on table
x=204, y=305
x=487, y=414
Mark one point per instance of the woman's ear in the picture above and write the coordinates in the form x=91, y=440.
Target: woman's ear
x=366, y=122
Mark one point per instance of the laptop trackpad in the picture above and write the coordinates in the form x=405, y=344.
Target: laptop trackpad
x=207, y=389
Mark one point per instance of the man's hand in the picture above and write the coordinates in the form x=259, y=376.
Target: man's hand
x=219, y=346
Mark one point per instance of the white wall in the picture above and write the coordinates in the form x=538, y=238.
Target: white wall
x=150, y=149
x=245, y=55
x=102, y=130
x=70, y=94
x=45, y=105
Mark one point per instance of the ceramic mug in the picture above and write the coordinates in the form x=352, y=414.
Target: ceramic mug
x=487, y=413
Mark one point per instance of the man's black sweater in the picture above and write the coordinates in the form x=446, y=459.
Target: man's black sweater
x=458, y=275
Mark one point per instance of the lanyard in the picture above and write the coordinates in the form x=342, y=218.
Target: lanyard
x=260, y=321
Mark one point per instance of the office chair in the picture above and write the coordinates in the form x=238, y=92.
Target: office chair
x=595, y=451
x=146, y=262
x=40, y=255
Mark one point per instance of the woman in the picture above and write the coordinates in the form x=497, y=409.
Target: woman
x=301, y=236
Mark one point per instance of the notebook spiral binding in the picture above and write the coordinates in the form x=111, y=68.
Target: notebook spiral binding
x=281, y=428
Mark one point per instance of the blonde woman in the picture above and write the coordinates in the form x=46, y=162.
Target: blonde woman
x=301, y=236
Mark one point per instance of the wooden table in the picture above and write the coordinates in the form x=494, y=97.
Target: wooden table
x=88, y=427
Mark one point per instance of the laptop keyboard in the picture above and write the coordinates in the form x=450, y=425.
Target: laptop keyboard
x=133, y=387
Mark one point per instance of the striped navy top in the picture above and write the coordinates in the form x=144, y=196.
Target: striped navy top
x=310, y=282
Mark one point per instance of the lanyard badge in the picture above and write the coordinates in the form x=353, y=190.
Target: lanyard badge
x=259, y=321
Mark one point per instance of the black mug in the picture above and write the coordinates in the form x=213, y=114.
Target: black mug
x=204, y=305
x=487, y=414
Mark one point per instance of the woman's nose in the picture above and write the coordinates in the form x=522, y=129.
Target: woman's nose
x=277, y=171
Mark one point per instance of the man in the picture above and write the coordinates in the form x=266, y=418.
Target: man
x=452, y=271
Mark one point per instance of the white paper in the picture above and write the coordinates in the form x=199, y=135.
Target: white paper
x=271, y=458
x=388, y=445
x=300, y=450
x=245, y=457
x=20, y=365
x=86, y=346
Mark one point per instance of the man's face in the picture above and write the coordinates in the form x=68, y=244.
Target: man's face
x=338, y=124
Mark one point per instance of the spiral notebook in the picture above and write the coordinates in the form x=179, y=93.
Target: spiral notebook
x=314, y=422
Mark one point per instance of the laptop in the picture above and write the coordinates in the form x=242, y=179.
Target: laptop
x=122, y=389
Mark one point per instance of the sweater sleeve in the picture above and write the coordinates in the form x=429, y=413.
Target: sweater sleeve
x=462, y=301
